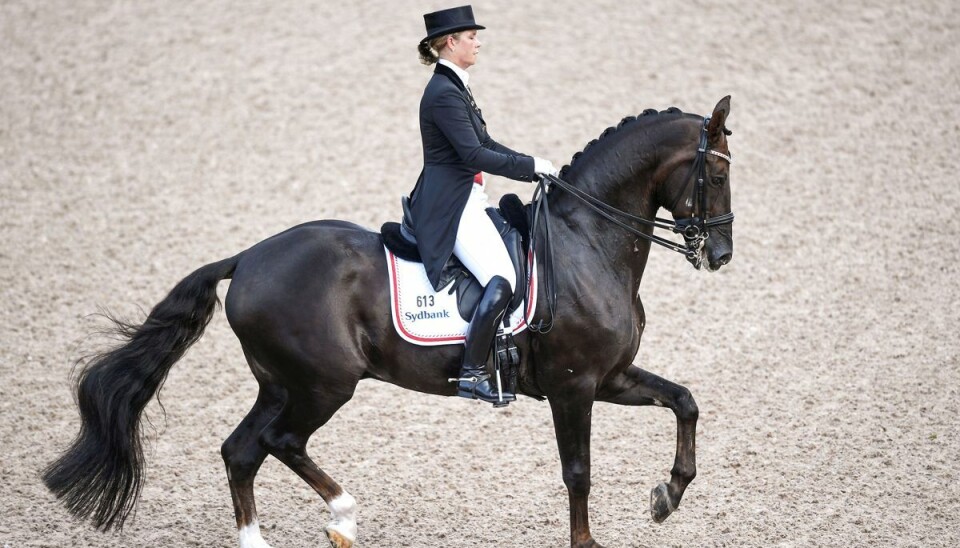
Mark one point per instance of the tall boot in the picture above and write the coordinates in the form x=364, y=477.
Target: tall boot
x=474, y=381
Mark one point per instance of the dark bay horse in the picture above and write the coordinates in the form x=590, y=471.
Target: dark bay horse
x=311, y=309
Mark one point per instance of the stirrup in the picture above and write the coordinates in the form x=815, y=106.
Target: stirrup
x=490, y=394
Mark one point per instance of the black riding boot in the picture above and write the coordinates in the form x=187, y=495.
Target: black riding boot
x=474, y=381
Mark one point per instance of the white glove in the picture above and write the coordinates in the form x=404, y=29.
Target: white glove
x=544, y=167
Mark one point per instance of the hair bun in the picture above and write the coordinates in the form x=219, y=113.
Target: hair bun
x=428, y=55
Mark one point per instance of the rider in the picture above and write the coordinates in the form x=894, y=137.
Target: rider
x=448, y=204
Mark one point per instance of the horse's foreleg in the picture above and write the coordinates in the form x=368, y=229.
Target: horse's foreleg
x=243, y=455
x=571, y=420
x=638, y=387
x=286, y=439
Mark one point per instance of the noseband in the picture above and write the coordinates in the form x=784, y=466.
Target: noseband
x=694, y=229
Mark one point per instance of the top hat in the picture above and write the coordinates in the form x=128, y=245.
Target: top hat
x=449, y=21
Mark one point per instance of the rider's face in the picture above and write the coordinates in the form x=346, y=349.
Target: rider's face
x=464, y=49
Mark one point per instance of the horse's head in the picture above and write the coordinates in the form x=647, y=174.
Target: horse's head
x=697, y=191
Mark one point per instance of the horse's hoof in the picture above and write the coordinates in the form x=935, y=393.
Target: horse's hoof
x=338, y=539
x=660, y=505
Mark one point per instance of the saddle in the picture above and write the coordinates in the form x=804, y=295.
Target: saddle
x=512, y=222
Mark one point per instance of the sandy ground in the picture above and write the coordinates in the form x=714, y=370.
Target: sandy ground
x=141, y=140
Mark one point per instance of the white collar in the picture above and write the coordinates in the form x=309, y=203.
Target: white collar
x=464, y=75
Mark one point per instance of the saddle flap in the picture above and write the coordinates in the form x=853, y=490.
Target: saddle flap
x=513, y=243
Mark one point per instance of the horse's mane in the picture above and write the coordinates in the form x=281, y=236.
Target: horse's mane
x=627, y=121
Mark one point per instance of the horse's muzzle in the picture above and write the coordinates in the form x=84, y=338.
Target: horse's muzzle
x=720, y=261
x=719, y=247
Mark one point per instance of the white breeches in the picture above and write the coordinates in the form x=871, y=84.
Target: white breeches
x=479, y=246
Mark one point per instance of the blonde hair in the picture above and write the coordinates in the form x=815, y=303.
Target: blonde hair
x=429, y=50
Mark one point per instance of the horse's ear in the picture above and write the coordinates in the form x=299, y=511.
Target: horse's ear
x=718, y=118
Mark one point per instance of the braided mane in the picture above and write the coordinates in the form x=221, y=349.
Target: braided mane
x=627, y=121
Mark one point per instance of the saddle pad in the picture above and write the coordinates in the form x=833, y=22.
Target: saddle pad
x=426, y=317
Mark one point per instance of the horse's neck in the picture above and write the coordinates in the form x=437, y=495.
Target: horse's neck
x=630, y=188
x=595, y=228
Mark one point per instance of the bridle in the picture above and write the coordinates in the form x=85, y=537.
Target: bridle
x=694, y=229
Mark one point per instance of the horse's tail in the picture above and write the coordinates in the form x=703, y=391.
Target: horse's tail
x=101, y=474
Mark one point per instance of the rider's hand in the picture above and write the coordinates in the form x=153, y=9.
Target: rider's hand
x=544, y=167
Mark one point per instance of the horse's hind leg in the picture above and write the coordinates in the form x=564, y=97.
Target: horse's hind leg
x=243, y=455
x=286, y=439
x=638, y=387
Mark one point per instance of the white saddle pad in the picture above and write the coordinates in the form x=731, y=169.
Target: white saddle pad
x=426, y=317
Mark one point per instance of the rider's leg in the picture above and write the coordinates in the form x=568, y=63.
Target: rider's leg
x=480, y=248
x=474, y=381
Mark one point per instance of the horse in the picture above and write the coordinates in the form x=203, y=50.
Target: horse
x=310, y=307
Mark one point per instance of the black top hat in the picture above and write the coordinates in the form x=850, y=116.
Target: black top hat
x=449, y=21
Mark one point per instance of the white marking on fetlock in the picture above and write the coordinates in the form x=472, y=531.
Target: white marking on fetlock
x=344, y=511
x=250, y=536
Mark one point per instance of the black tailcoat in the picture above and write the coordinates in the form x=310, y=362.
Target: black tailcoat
x=456, y=146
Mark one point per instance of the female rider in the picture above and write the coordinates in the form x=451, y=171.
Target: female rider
x=448, y=204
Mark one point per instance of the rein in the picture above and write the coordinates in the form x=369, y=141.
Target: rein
x=694, y=229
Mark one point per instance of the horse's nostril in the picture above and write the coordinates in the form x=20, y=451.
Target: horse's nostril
x=726, y=258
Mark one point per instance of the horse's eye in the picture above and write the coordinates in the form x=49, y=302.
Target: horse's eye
x=718, y=180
